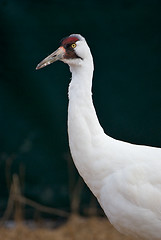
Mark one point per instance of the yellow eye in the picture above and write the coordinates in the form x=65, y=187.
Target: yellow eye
x=73, y=45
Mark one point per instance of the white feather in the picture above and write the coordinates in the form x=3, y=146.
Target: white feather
x=125, y=178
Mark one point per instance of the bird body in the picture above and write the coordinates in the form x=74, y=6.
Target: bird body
x=125, y=178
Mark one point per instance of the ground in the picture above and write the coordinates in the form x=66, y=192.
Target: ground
x=76, y=228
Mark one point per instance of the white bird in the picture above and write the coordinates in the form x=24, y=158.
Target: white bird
x=124, y=177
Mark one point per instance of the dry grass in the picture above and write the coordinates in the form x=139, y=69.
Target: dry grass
x=77, y=228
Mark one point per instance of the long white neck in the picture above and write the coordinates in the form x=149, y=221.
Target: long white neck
x=84, y=129
x=82, y=119
x=95, y=154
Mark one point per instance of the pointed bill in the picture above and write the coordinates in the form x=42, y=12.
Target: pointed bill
x=55, y=56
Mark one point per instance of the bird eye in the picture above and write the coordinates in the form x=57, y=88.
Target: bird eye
x=73, y=45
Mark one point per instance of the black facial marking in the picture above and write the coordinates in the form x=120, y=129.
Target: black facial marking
x=70, y=52
x=67, y=44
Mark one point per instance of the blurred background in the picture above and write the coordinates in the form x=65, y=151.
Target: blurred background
x=125, y=40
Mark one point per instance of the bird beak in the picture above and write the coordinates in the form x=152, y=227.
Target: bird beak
x=55, y=56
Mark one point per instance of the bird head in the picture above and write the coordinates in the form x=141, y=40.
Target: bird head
x=73, y=51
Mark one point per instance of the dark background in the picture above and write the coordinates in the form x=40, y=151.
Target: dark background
x=125, y=40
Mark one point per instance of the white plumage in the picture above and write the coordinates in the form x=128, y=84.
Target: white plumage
x=125, y=178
